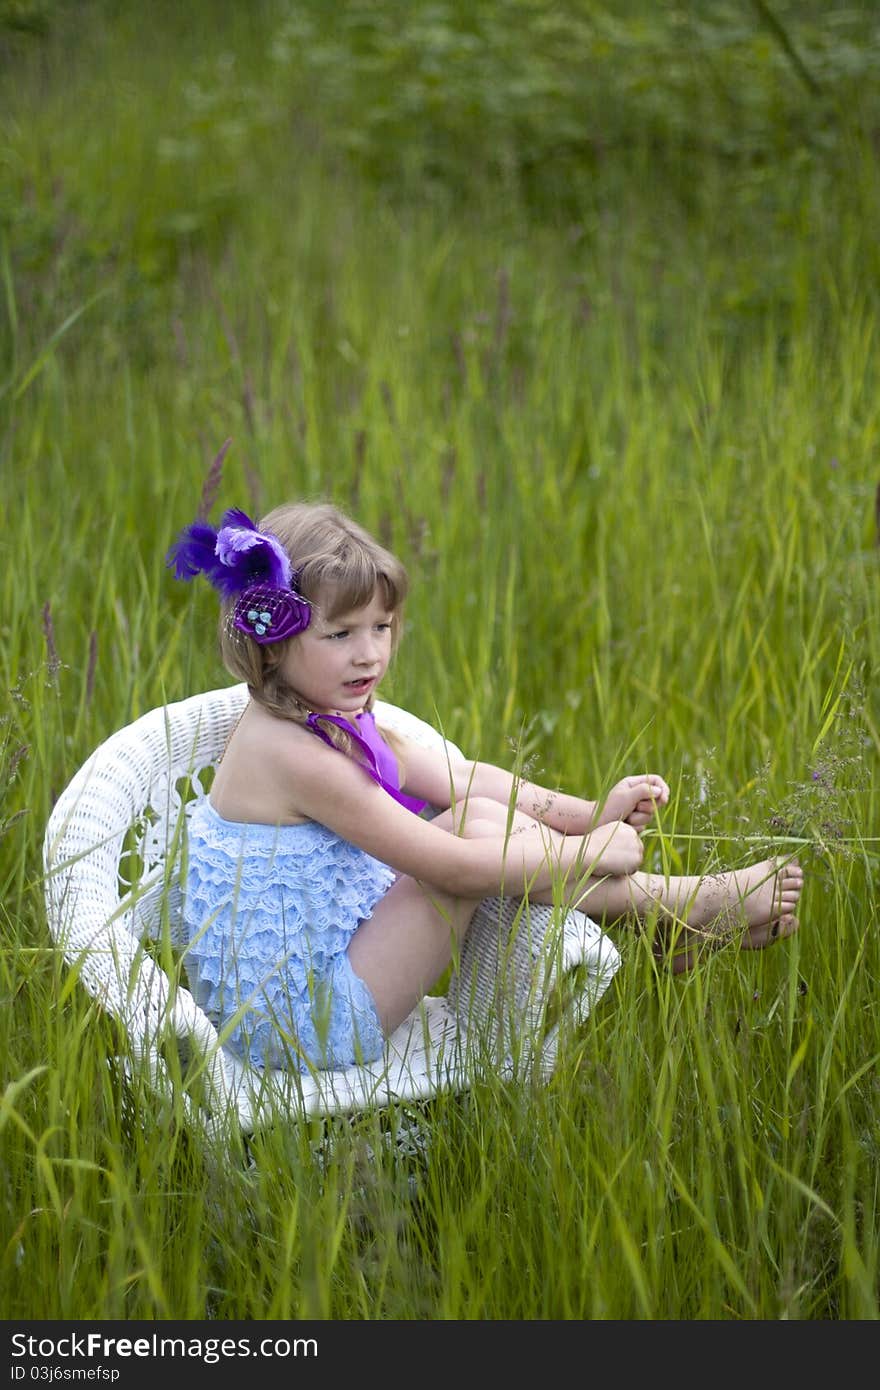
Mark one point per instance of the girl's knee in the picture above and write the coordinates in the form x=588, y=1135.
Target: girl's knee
x=484, y=817
x=479, y=815
x=480, y=827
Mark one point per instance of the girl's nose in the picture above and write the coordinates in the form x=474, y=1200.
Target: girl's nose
x=367, y=652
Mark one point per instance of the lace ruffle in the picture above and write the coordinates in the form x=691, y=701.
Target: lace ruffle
x=269, y=911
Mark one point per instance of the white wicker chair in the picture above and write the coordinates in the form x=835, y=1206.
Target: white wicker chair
x=112, y=855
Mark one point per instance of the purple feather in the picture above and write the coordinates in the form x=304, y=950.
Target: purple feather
x=194, y=551
x=236, y=517
x=248, y=556
x=234, y=558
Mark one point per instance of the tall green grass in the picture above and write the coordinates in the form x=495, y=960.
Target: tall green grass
x=626, y=442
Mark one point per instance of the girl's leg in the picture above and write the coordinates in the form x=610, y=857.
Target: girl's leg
x=404, y=948
x=407, y=943
x=759, y=902
x=754, y=906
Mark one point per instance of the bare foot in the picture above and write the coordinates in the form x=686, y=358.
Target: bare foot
x=754, y=907
x=752, y=897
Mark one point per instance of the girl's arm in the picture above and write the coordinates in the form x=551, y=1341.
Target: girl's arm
x=334, y=790
x=431, y=775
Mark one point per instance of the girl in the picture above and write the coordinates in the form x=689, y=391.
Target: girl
x=321, y=907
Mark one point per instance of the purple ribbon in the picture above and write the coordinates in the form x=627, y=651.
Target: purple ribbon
x=379, y=760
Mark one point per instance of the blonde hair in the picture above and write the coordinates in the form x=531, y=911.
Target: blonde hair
x=337, y=566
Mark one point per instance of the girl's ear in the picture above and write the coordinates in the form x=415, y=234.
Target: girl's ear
x=273, y=656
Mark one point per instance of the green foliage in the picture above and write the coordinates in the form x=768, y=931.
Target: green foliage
x=559, y=108
x=459, y=93
x=19, y=17
x=578, y=310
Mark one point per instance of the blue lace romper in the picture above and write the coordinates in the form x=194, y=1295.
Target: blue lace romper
x=270, y=911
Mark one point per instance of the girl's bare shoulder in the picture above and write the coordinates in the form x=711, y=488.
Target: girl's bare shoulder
x=257, y=774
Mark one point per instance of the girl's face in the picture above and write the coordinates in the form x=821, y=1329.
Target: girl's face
x=334, y=666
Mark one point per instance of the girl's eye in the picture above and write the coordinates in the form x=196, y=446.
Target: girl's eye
x=346, y=632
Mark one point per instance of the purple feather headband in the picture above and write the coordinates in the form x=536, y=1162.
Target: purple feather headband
x=246, y=565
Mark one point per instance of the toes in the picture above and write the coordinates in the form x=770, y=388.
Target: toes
x=757, y=938
x=788, y=891
x=789, y=868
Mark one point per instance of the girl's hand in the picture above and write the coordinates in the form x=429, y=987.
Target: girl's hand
x=615, y=848
x=634, y=800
